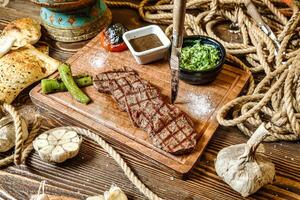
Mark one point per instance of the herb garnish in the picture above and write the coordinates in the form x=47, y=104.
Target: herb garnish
x=199, y=57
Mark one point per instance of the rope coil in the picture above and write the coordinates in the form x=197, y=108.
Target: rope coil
x=275, y=98
x=23, y=148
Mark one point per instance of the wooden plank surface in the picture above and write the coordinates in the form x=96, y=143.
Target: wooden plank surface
x=93, y=171
x=103, y=115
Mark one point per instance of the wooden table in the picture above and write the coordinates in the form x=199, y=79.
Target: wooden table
x=93, y=171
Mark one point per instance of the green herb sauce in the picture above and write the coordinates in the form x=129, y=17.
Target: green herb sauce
x=199, y=57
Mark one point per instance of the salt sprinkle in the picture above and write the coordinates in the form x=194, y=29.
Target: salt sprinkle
x=199, y=105
x=292, y=159
x=98, y=59
x=172, y=178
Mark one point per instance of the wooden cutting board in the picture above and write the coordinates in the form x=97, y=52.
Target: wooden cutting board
x=103, y=116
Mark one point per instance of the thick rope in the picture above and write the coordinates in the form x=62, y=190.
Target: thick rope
x=18, y=130
x=4, y=3
x=269, y=100
x=117, y=157
x=24, y=148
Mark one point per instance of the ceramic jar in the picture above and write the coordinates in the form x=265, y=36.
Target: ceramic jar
x=73, y=20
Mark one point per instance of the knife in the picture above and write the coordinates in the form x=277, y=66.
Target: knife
x=178, y=27
x=252, y=11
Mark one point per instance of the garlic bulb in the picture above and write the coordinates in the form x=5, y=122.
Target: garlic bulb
x=57, y=145
x=40, y=197
x=7, y=133
x=100, y=197
x=114, y=193
x=243, y=169
x=41, y=193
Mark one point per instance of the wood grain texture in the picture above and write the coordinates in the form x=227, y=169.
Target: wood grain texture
x=104, y=117
x=92, y=172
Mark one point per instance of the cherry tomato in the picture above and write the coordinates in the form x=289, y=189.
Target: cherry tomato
x=111, y=38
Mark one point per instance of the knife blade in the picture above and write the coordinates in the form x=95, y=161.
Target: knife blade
x=252, y=11
x=267, y=30
x=177, y=37
x=174, y=64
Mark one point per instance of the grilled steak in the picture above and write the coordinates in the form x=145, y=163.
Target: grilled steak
x=135, y=99
x=168, y=127
x=119, y=88
x=102, y=80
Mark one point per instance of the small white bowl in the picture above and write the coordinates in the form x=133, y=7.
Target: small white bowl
x=149, y=55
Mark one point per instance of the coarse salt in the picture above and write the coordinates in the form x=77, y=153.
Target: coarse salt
x=98, y=60
x=199, y=105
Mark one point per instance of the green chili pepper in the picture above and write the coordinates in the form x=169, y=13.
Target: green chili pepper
x=56, y=85
x=74, y=90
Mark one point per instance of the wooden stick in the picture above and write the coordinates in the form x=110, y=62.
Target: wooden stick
x=178, y=22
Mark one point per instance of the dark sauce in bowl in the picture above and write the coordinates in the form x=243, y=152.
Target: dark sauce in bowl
x=146, y=42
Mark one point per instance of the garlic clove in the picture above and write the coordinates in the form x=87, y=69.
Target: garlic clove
x=58, y=134
x=75, y=139
x=69, y=134
x=41, y=143
x=45, y=152
x=58, y=154
x=46, y=149
x=43, y=136
x=71, y=146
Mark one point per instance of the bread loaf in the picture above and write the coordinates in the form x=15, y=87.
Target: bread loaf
x=22, y=67
x=19, y=33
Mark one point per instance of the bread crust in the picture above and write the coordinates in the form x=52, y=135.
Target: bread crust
x=22, y=67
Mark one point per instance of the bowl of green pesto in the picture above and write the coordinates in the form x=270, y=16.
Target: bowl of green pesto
x=201, y=59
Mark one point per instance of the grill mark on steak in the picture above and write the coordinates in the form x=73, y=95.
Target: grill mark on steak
x=135, y=101
x=133, y=98
x=156, y=117
x=181, y=138
x=184, y=141
x=168, y=127
x=102, y=80
x=121, y=87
